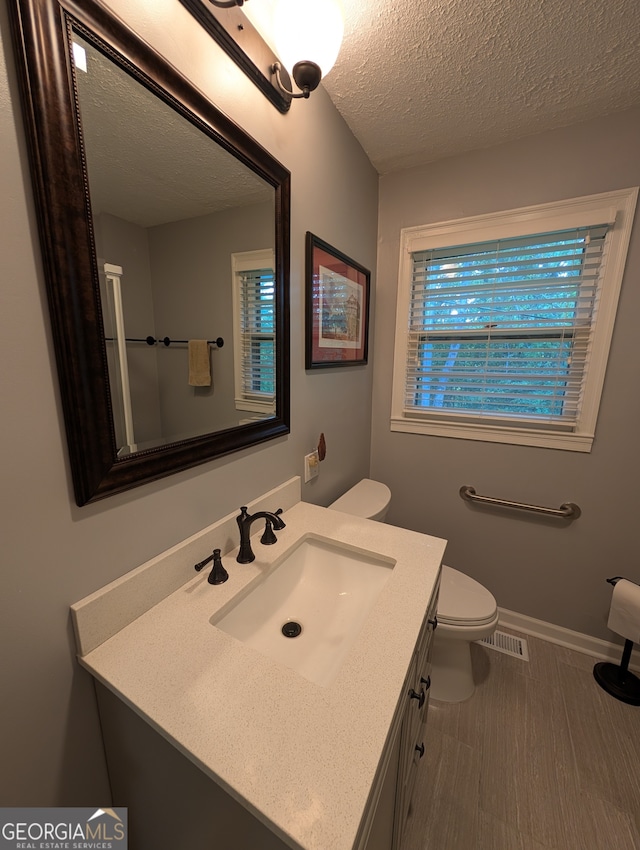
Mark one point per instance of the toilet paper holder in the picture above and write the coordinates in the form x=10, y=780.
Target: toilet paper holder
x=616, y=579
x=617, y=679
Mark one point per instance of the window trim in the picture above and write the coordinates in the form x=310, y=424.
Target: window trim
x=244, y=261
x=616, y=208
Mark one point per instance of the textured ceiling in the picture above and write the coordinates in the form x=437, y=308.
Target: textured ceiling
x=131, y=139
x=414, y=82
x=420, y=81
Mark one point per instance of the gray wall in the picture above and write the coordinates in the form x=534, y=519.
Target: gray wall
x=54, y=553
x=533, y=566
x=191, y=269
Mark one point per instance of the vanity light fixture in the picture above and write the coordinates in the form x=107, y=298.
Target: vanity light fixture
x=306, y=35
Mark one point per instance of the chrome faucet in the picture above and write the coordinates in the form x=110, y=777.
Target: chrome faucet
x=244, y=520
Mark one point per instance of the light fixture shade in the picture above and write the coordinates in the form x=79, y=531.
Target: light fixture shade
x=308, y=31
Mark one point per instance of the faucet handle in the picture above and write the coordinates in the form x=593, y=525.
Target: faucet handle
x=202, y=564
x=218, y=574
x=268, y=537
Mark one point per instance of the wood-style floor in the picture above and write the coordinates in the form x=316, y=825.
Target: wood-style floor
x=540, y=758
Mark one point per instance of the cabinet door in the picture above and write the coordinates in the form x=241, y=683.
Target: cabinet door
x=402, y=804
x=414, y=725
x=409, y=726
x=413, y=721
x=381, y=834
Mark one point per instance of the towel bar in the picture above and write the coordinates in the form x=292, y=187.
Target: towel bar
x=167, y=341
x=568, y=510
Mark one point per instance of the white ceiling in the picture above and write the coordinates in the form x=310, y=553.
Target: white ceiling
x=420, y=81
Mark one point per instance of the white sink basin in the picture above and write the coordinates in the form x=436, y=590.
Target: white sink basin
x=325, y=587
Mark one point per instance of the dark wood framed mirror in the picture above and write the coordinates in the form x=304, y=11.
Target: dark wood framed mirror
x=142, y=184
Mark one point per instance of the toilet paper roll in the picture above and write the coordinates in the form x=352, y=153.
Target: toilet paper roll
x=624, y=616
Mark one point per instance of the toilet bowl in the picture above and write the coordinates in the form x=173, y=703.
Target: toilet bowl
x=467, y=611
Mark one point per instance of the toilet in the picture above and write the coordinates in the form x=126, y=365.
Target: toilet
x=369, y=499
x=467, y=611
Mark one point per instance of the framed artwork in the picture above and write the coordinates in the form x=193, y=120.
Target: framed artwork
x=337, y=307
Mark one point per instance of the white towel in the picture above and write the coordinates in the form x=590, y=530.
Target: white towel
x=199, y=363
x=624, y=616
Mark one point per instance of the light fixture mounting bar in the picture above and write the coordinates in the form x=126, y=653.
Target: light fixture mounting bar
x=235, y=34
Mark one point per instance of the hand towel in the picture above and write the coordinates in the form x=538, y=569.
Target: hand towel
x=624, y=615
x=199, y=363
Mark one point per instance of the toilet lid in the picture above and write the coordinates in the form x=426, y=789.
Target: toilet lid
x=366, y=499
x=464, y=600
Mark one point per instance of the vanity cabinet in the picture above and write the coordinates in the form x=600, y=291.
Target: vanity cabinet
x=412, y=734
x=211, y=744
x=404, y=753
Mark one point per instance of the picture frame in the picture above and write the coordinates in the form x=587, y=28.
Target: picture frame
x=337, y=307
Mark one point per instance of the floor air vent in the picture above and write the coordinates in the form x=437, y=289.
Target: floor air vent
x=509, y=644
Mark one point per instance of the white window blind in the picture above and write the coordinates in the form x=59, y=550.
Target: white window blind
x=257, y=333
x=501, y=330
x=505, y=320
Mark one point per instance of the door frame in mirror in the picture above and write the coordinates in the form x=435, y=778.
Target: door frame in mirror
x=41, y=33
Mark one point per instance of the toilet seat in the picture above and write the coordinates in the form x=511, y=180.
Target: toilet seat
x=463, y=601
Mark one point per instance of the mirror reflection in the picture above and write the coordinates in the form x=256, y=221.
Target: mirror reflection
x=185, y=244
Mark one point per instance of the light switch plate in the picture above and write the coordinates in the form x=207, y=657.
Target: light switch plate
x=311, y=466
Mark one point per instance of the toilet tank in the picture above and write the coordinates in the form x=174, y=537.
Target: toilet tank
x=369, y=499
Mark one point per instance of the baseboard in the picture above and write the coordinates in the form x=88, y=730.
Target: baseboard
x=577, y=641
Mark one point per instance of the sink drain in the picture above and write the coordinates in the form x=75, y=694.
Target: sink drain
x=291, y=629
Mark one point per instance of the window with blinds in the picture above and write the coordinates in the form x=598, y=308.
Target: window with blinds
x=255, y=313
x=504, y=322
x=502, y=329
x=257, y=327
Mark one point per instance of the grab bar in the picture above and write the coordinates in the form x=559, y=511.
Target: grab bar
x=568, y=510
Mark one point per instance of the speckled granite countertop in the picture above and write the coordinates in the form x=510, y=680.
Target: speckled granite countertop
x=301, y=757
